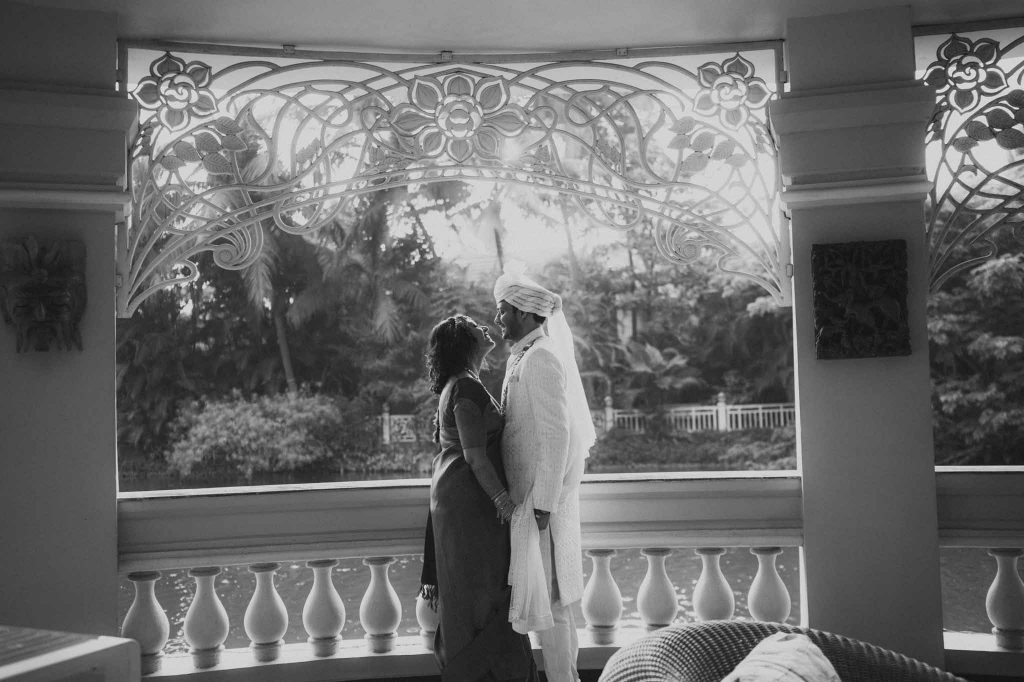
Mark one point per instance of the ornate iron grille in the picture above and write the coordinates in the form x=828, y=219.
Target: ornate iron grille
x=228, y=147
x=975, y=143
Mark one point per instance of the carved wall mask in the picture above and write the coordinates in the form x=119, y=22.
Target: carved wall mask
x=42, y=292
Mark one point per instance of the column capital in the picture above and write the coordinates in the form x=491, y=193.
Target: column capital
x=64, y=149
x=853, y=135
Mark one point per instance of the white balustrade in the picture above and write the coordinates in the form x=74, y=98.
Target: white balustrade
x=602, y=599
x=768, y=599
x=206, y=621
x=380, y=611
x=266, y=618
x=323, y=614
x=1004, y=602
x=146, y=622
x=712, y=597
x=427, y=618
x=656, y=598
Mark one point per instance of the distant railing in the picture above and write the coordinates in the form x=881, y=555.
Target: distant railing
x=689, y=418
x=401, y=428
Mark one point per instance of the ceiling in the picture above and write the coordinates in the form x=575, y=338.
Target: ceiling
x=493, y=25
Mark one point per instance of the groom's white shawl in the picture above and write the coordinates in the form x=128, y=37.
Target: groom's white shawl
x=544, y=468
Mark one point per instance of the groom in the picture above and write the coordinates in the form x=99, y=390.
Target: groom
x=547, y=438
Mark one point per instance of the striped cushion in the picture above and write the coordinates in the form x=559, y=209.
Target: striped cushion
x=708, y=651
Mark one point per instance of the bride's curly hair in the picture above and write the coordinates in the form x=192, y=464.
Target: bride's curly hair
x=449, y=348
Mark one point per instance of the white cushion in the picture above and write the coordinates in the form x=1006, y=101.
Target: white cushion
x=784, y=657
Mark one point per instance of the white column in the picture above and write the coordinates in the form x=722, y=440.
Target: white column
x=851, y=138
x=206, y=621
x=323, y=614
x=712, y=597
x=380, y=611
x=1004, y=602
x=768, y=599
x=656, y=598
x=146, y=622
x=266, y=618
x=63, y=150
x=602, y=599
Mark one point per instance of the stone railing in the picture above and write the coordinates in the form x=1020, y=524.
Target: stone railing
x=759, y=513
x=324, y=616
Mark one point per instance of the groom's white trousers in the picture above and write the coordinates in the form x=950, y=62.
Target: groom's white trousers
x=559, y=643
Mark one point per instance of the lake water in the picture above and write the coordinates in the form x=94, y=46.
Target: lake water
x=966, y=576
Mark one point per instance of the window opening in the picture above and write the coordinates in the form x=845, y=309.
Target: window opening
x=344, y=179
x=975, y=158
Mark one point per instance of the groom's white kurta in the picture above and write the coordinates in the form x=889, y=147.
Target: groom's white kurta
x=544, y=471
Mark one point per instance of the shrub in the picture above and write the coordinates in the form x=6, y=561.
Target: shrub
x=264, y=434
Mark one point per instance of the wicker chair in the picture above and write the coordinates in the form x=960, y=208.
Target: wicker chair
x=708, y=651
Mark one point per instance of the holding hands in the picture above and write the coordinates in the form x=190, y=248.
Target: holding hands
x=504, y=505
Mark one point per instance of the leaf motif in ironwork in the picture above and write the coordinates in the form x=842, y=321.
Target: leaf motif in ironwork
x=723, y=150
x=684, y=125
x=207, y=142
x=964, y=144
x=233, y=143
x=171, y=163
x=999, y=119
x=216, y=164
x=227, y=126
x=704, y=141
x=681, y=141
x=186, y=152
x=694, y=163
x=1010, y=139
x=978, y=131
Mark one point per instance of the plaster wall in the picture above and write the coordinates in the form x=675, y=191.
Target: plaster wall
x=58, y=524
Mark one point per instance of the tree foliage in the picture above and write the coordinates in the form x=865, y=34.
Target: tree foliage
x=976, y=330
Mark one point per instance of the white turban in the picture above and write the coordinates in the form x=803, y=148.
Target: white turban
x=526, y=295
x=522, y=292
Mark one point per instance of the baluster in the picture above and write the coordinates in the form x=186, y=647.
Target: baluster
x=427, y=617
x=602, y=600
x=146, y=621
x=323, y=614
x=206, y=621
x=768, y=599
x=380, y=611
x=266, y=618
x=1004, y=602
x=656, y=598
x=712, y=597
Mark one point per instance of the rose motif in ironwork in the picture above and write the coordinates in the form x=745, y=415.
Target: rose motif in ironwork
x=458, y=116
x=176, y=91
x=965, y=70
x=731, y=90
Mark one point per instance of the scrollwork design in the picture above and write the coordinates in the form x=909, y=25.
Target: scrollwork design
x=977, y=132
x=293, y=142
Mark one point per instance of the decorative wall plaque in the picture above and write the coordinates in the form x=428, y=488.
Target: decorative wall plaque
x=860, y=299
x=42, y=292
